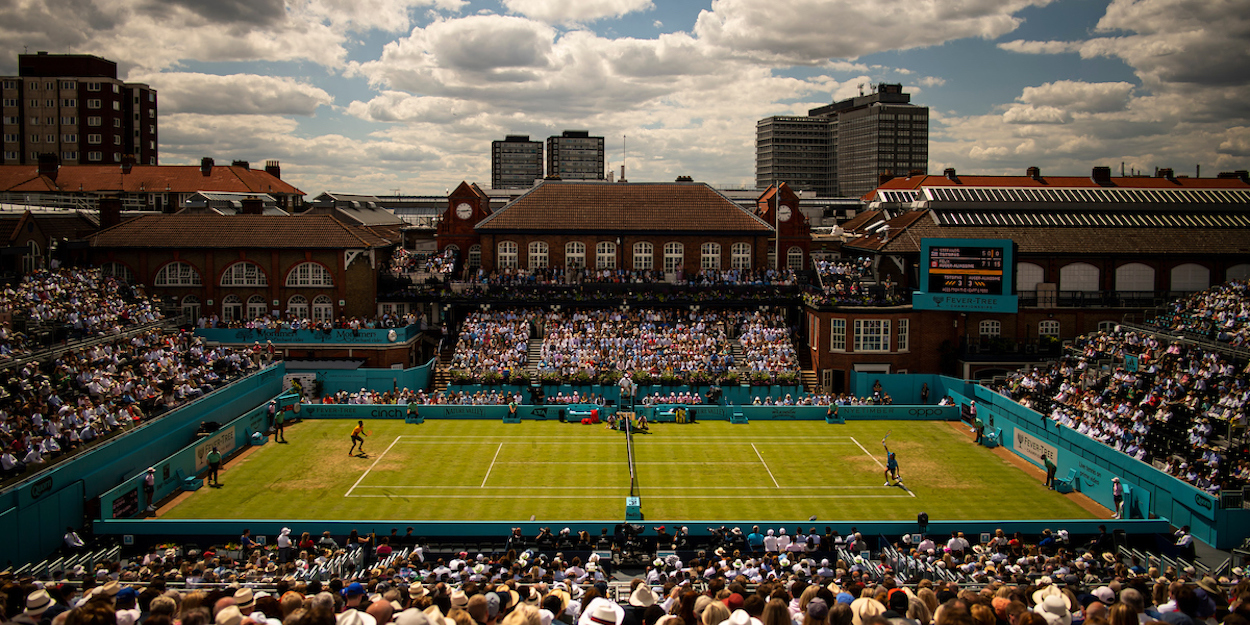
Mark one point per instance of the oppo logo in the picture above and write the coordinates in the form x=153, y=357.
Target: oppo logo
x=924, y=412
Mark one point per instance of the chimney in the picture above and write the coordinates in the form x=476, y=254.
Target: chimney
x=685, y=179
x=128, y=162
x=1101, y=175
x=243, y=164
x=271, y=168
x=1165, y=172
x=949, y=172
x=252, y=206
x=884, y=178
x=1034, y=173
x=49, y=165
x=110, y=211
x=1240, y=174
x=206, y=166
x=915, y=172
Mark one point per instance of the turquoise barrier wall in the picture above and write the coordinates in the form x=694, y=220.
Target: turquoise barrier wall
x=224, y=529
x=738, y=395
x=902, y=389
x=35, y=512
x=127, y=500
x=365, y=412
x=310, y=337
x=335, y=380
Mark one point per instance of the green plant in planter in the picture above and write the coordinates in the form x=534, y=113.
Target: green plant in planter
x=730, y=378
x=669, y=379
x=461, y=377
x=491, y=378
x=761, y=378
x=582, y=377
x=519, y=377
x=550, y=377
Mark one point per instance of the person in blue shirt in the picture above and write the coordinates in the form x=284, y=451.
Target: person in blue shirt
x=891, y=467
x=755, y=540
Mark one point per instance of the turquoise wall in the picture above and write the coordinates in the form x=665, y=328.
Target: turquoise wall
x=365, y=412
x=35, y=512
x=309, y=337
x=335, y=380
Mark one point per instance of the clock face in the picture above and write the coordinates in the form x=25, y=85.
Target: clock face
x=464, y=210
x=783, y=213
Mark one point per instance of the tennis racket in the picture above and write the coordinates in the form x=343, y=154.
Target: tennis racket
x=887, y=435
x=369, y=433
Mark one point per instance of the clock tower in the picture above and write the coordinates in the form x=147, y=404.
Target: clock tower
x=466, y=206
x=779, y=207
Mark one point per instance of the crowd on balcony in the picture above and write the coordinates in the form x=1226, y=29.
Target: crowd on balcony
x=297, y=322
x=1220, y=313
x=846, y=282
x=1166, y=408
x=751, y=577
x=494, y=342
x=74, y=303
x=405, y=261
x=51, y=409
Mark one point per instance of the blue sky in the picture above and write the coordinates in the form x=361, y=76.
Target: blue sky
x=372, y=96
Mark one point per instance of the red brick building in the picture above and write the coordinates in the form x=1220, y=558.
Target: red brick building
x=242, y=266
x=1091, y=252
x=672, y=227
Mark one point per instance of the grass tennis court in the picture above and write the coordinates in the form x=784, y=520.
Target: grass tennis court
x=486, y=470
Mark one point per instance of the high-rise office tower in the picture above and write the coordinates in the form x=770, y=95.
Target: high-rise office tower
x=516, y=162
x=869, y=135
x=73, y=106
x=575, y=155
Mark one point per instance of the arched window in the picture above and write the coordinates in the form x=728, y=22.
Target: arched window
x=644, y=256
x=1048, y=327
x=177, y=274
x=605, y=255
x=244, y=274
x=740, y=256
x=1190, y=277
x=674, y=256
x=191, y=307
x=1078, y=277
x=1134, y=277
x=1028, y=276
x=574, y=254
x=256, y=307
x=709, y=256
x=309, y=274
x=506, y=258
x=322, y=308
x=538, y=255
x=1238, y=272
x=231, y=308
x=794, y=258
x=475, y=257
x=297, y=306
x=991, y=328
x=118, y=271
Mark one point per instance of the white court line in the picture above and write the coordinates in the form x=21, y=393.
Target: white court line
x=692, y=488
x=580, y=441
x=492, y=466
x=770, y=471
x=375, y=463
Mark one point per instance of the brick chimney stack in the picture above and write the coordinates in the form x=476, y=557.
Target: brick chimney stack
x=253, y=206
x=272, y=168
x=206, y=166
x=49, y=165
x=110, y=211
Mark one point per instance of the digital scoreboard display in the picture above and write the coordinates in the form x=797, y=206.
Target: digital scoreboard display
x=967, y=275
x=966, y=270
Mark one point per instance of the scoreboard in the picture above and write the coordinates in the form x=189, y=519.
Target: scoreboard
x=969, y=275
x=958, y=269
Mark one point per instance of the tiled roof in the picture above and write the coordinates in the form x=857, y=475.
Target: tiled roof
x=623, y=207
x=905, y=239
x=1067, y=182
x=64, y=225
x=862, y=219
x=236, y=231
x=149, y=178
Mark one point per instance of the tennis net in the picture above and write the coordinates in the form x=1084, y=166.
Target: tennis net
x=629, y=451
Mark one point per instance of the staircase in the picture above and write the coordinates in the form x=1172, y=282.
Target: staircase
x=442, y=370
x=807, y=374
x=534, y=352
x=740, y=360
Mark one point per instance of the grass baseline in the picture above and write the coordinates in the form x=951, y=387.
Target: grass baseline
x=484, y=470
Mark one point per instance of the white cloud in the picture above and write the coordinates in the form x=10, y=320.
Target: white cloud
x=1078, y=96
x=1040, y=47
x=1027, y=114
x=246, y=94
x=1236, y=142
x=811, y=31
x=932, y=81
x=576, y=12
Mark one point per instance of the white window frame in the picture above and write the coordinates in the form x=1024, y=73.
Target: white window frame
x=506, y=255
x=309, y=273
x=794, y=258
x=902, y=338
x=322, y=308
x=990, y=328
x=232, y=308
x=872, y=335
x=644, y=256
x=709, y=256
x=837, y=334
x=244, y=273
x=574, y=254
x=178, y=273
x=297, y=306
x=539, y=255
x=256, y=307
x=118, y=271
x=1048, y=327
x=605, y=255
x=674, y=256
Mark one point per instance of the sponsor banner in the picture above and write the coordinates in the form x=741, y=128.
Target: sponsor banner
x=248, y=336
x=1034, y=448
x=223, y=440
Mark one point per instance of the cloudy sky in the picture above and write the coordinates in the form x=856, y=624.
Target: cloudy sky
x=375, y=96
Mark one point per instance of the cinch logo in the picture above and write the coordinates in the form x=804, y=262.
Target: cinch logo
x=41, y=488
x=924, y=412
x=1202, y=501
x=387, y=412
